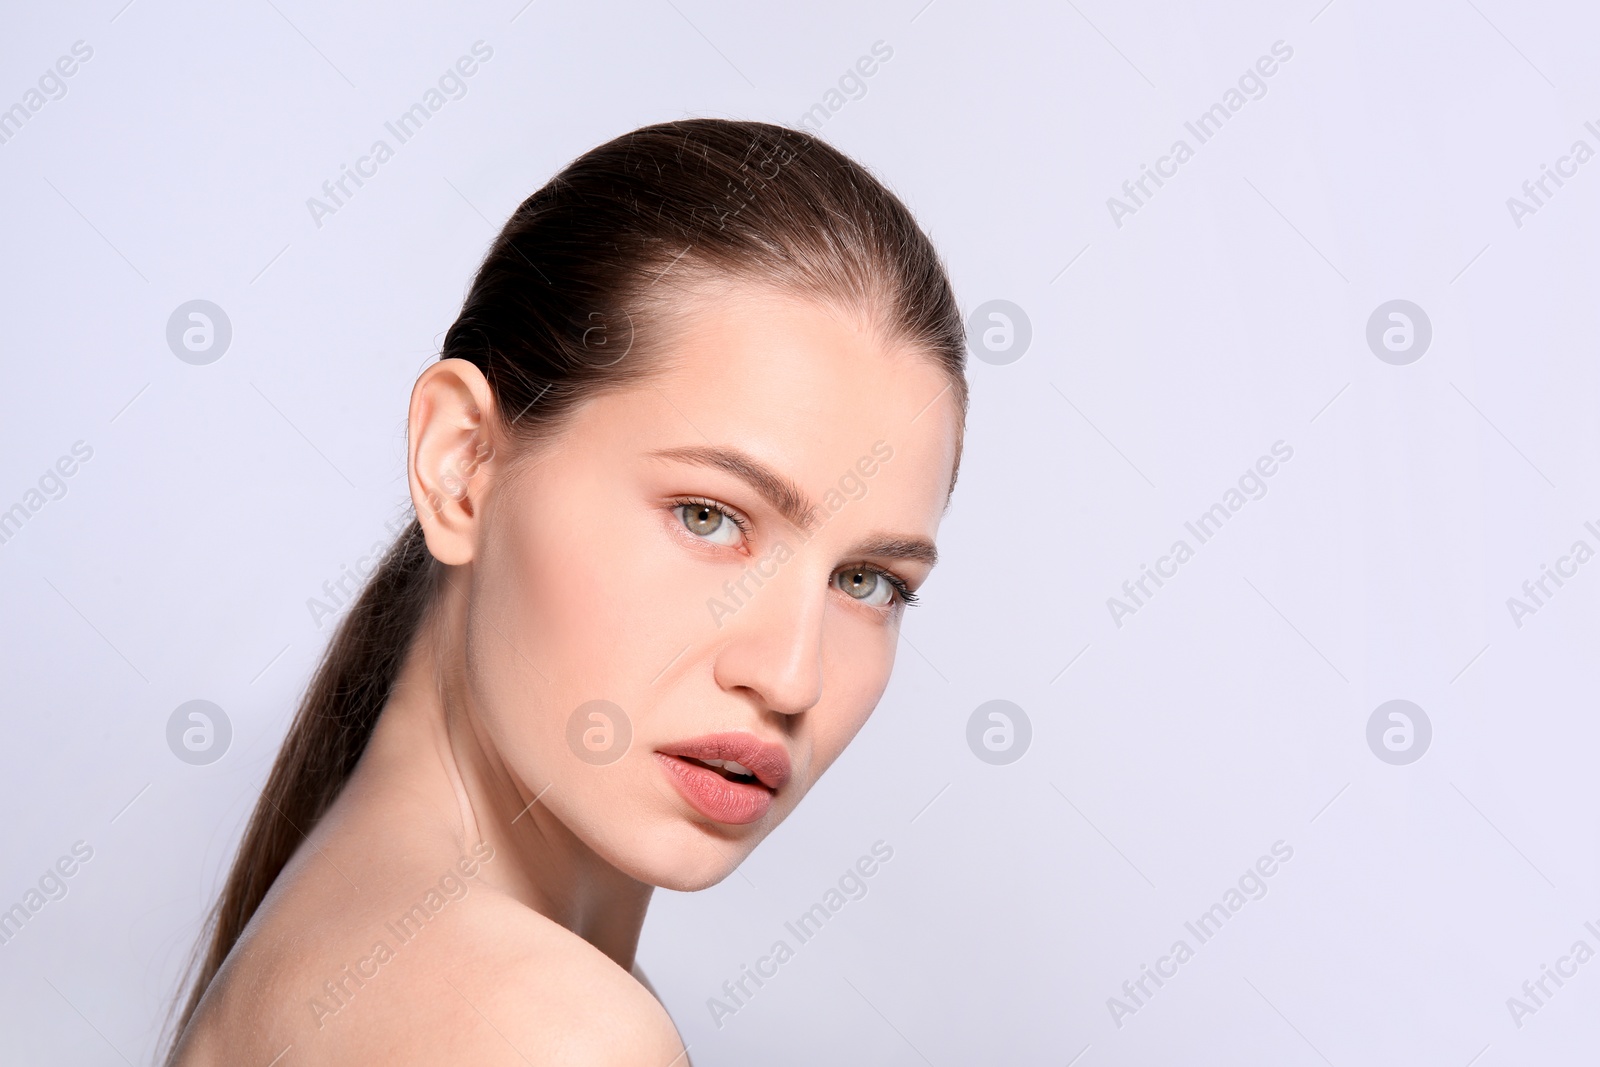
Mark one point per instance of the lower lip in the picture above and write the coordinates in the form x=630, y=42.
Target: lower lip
x=713, y=796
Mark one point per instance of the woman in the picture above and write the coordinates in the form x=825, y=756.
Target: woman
x=677, y=474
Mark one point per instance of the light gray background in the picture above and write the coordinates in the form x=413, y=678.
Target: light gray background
x=1168, y=354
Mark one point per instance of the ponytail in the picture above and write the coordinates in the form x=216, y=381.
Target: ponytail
x=328, y=735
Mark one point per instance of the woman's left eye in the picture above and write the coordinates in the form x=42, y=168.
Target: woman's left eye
x=710, y=523
x=870, y=586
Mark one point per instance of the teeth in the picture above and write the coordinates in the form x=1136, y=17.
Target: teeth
x=728, y=765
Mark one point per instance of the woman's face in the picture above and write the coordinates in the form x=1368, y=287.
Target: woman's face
x=708, y=567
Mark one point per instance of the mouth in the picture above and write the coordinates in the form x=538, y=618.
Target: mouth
x=728, y=778
x=729, y=769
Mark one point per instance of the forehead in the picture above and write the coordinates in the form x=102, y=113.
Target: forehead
x=807, y=389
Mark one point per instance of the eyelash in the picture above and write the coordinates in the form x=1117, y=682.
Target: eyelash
x=703, y=502
x=902, y=591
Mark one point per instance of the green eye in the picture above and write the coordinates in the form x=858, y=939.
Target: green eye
x=870, y=586
x=709, y=522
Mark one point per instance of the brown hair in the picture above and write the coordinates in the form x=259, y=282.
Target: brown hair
x=567, y=300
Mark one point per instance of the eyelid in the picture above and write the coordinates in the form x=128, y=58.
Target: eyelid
x=904, y=597
x=903, y=594
x=739, y=518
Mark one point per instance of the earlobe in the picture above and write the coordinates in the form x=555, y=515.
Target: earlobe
x=450, y=454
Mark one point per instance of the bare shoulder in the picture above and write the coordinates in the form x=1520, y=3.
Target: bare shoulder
x=529, y=990
x=455, y=972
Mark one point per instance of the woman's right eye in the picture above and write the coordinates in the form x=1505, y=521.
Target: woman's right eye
x=710, y=523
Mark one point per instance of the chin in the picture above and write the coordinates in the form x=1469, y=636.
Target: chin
x=685, y=856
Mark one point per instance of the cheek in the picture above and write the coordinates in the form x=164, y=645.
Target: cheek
x=616, y=600
x=586, y=601
x=856, y=673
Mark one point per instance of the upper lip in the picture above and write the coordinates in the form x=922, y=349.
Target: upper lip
x=767, y=761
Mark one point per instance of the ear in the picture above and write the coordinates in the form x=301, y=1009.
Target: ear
x=450, y=456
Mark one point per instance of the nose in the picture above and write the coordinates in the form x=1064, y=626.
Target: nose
x=773, y=645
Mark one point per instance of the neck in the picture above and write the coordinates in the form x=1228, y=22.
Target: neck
x=429, y=744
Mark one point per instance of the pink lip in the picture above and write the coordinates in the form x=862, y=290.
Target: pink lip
x=716, y=797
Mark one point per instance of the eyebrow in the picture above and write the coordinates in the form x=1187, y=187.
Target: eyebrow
x=790, y=501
